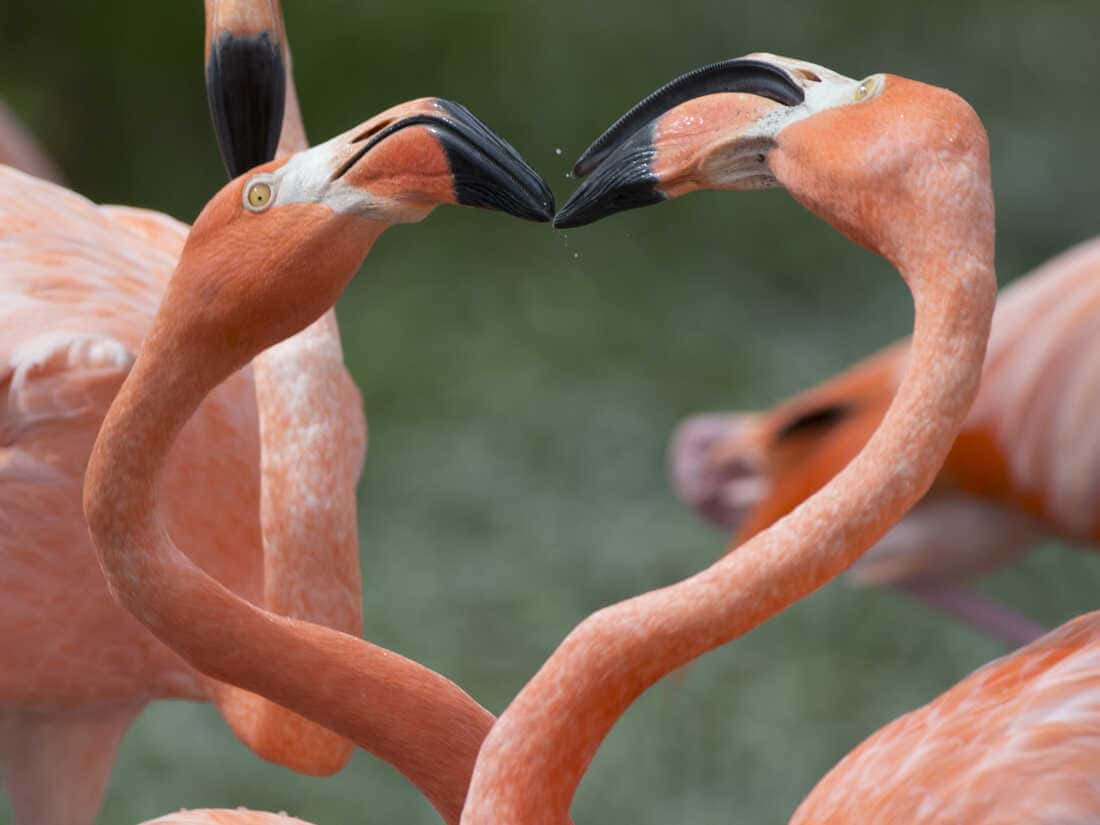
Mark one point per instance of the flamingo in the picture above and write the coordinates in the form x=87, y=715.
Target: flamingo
x=1024, y=465
x=261, y=488
x=266, y=258
x=901, y=168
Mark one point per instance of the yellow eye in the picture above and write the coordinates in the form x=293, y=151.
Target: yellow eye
x=259, y=196
x=866, y=89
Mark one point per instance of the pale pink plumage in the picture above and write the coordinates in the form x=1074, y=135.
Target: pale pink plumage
x=78, y=290
x=1016, y=742
x=262, y=487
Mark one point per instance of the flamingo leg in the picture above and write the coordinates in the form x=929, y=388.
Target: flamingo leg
x=56, y=764
x=972, y=609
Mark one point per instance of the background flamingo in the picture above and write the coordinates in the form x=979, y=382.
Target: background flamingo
x=81, y=285
x=1027, y=462
x=878, y=159
x=269, y=254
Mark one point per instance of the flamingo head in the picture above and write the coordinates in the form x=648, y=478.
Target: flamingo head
x=275, y=247
x=867, y=155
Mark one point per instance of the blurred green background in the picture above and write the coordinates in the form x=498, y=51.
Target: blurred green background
x=521, y=384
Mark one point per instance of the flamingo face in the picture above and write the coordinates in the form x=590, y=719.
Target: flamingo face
x=397, y=166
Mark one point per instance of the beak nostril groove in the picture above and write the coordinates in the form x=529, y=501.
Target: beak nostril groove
x=372, y=131
x=807, y=75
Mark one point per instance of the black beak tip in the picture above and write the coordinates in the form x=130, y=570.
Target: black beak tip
x=545, y=211
x=488, y=171
x=539, y=200
x=246, y=90
x=504, y=195
x=621, y=180
x=590, y=204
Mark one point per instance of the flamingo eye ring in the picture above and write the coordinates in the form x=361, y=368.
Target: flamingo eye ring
x=258, y=196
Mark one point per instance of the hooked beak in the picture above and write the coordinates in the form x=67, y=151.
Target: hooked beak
x=245, y=81
x=481, y=168
x=653, y=152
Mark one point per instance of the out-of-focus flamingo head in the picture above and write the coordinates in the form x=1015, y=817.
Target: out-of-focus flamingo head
x=718, y=467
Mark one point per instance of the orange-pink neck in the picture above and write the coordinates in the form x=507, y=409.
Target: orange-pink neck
x=536, y=755
x=414, y=719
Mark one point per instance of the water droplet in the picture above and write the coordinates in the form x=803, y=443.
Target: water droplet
x=569, y=174
x=557, y=151
x=576, y=256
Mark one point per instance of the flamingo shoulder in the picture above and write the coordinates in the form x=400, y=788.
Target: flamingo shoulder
x=79, y=285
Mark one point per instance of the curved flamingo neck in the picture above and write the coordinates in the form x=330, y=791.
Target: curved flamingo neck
x=541, y=746
x=409, y=716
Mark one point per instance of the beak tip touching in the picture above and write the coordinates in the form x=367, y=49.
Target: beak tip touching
x=620, y=181
x=488, y=171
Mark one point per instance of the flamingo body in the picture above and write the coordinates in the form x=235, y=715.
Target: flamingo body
x=264, y=474
x=1016, y=741
x=78, y=289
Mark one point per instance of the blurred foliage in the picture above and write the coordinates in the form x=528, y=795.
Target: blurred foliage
x=521, y=384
